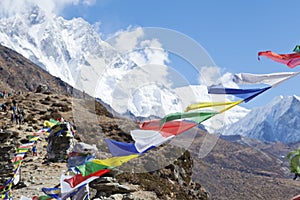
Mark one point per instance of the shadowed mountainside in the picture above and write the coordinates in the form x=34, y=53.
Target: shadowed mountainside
x=19, y=74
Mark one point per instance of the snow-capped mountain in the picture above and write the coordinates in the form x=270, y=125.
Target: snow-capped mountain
x=59, y=46
x=73, y=51
x=278, y=121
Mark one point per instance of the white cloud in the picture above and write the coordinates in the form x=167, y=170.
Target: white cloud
x=138, y=47
x=209, y=75
x=96, y=26
x=227, y=80
x=89, y=2
x=127, y=40
x=155, y=52
x=13, y=7
x=212, y=76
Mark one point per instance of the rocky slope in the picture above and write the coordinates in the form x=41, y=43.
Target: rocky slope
x=239, y=171
x=19, y=74
x=36, y=172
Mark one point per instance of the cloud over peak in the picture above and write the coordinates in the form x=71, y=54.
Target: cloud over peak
x=10, y=8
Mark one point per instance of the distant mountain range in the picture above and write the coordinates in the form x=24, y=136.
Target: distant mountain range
x=279, y=121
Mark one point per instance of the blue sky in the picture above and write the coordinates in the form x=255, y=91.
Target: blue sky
x=232, y=31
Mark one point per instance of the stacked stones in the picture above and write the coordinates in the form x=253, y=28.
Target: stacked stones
x=7, y=149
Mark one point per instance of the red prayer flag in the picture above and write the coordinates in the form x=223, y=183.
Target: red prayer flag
x=17, y=158
x=169, y=128
x=296, y=197
x=291, y=60
x=77, y=179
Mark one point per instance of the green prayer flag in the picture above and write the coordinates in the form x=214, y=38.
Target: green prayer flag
x=53, y=121
x=195, y=116
x=17, y=162
x=297, y=49
x=91, y=167
x=23, y=149
x=44, y=197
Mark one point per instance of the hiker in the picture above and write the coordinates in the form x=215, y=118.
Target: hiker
x=34, y=149
x=20, y=115
x=14, y=102
x=13, y=108
x=4, y=94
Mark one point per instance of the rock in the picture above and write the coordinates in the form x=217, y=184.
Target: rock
x=29, y=129
x=141, y=195
x=171, y=182
x=112, y=188
x=8, y=139
x=41, y=88
x=116, y=196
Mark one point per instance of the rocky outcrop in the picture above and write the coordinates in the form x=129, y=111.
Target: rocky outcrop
x=8, y=141
x=171, y=182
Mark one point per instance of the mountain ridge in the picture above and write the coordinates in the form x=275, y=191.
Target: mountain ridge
x=277, y=121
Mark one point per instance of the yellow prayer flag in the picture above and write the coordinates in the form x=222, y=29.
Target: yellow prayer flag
x=231, y=106
x=49, y=124
x=219, y=106
x=34, y=138
x=22, y=150
x=115, y=161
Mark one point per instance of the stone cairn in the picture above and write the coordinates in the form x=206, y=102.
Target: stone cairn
x=7, y=149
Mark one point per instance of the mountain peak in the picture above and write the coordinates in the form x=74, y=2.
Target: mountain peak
x=36, y=15
x=277, y=121
x=296, y=97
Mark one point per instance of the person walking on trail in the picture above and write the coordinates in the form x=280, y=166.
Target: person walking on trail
x=4, y=94
x=14, y=102
x=14, y=113
x=34, y=149
x=20, y=115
